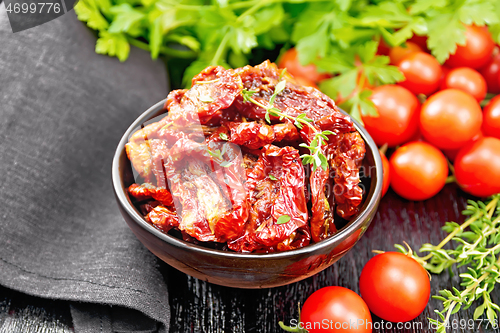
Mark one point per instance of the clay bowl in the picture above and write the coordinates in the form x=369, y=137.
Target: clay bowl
x=241, y=270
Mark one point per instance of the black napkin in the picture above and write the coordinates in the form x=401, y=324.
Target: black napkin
x=63, y=109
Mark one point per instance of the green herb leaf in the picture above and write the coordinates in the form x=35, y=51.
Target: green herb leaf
x=272, y=177
x=283, y=219
x=480, y=258
x=113, y=45
x=223, y=136
x=125, y=18
x=90, y=11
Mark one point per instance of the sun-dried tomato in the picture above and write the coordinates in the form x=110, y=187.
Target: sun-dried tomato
x=213, y=89
x=294, y=99
x=347, y=154
x=275, y=188
x=320, y=189
x=149, y=191
x=322, y=214
x=207, y=187
x=285, y=132
x=251, y=134
x=163, y=218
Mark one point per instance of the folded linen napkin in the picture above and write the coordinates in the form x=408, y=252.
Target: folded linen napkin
x=63, y=109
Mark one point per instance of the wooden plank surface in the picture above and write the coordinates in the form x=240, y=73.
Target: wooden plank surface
x=198, y=306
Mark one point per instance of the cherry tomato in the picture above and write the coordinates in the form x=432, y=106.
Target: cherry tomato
x=418, y=171
x=444, y=72
x=468, y=80
x=452, y=153
x=422, y=72
x=491, y=73
x=394, y=286
x=290, y=61
x=491, y=118
x=420, y=41
x=338, y=307
x=383, y=48
x=399, y=52
x=387, y=174
x=477, y=167
x=398, y=112
x=477, y=49
x=450, y=118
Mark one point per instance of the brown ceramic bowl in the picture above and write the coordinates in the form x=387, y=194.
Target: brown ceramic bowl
x=242, y=270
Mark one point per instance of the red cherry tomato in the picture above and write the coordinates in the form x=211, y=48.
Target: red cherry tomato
x=491, y=118
x=395, y=287
x=491, y=73
x=418, y=171
x=466, y=79
x=477, y=167
x=387, y=174
x=290, y=61
x=397, y=120
x=477, y=49
x=399, y=52
x=420, y=41
x=444, y=73
x=383, y=48
x=452, y=153
x=450, y=118
x=422, y=72
x=337, y=308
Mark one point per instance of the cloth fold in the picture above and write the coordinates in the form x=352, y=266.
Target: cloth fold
x=63, y=109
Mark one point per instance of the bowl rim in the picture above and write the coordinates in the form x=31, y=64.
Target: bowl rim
x=371, y=203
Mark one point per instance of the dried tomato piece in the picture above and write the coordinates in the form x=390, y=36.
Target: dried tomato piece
x=346, y=155
x=139, y=154
x=322, y=213
x=275, y=188
x=149, y=191
x=322, y=205
x=206, y=98
x=251, y=134
x=138, y=148
x=285, y=132
x=147, y=206
x=163, y=218
x=208, y=190
x=293, y=100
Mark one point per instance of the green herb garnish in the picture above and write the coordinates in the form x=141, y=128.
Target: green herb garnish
x=478, y=240
x=316, y=156
x=283, y=219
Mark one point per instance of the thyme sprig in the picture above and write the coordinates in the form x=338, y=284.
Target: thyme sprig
x=478, y=247
x=316, y=156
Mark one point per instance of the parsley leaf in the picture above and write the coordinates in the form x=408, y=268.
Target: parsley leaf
x=125, y=18
x=445, y=32
x=113, y=45
x=88, y=11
